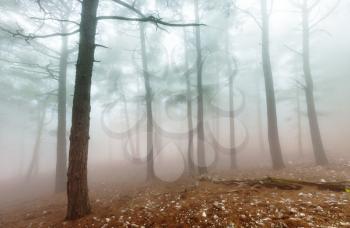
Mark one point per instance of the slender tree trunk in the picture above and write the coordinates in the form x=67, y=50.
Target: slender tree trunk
x=232, y=126
x=34, y=164
x=259, y=118
x=137, y=146
x=233, y=152
x=200, y=115
x=274, y=141
x=319, y=152
x=127, y=119
x=61, y=149
x=77, y=187
x=191, y=169
x=300, y=138
x=148, y=89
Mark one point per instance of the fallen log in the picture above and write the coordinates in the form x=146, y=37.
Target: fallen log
x=284, y=184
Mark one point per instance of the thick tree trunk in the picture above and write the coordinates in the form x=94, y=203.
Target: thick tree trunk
x=61, y=147
x=148, y=89
x=34, y=164
x=77, y=187
x=319, y=152
x=191, y=169
x=202, y=169
x=274, y=141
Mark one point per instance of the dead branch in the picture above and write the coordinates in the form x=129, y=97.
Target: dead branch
x=313, y=25
x=155, y=20
x=284, y=184
x=28, y=37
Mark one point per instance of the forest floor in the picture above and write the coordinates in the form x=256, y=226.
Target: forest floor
x=198, y=203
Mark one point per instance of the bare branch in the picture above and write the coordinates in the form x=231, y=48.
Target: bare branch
x=130, y=7
x=316, y=3
x=258, y=23
x=28, y=37
x=144, y=18
x=313, y=25
x=55, y=19
x=100, y=45
x=40, y=6
x=293, y=50
x=156, y=21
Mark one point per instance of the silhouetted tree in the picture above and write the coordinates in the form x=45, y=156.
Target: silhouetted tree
x=200, y=114
x=274, y=141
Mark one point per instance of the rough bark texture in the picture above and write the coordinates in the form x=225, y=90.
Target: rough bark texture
x=274, y=141
x=319, y=152
x=148, y=89
x=202, y=169
x=77, y=187
x=61, y=147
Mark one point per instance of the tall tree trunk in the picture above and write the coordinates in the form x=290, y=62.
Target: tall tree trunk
x=232, y=74
x=202, y=169
x=274, y=141
x=300, y=138
x=259, y=118
x=233, y=160
x=319, y=152
x=61, y=147
x=191, y=169
x=127, y=119
x=148, y=89
x=34, y=164
x=137, y=143
x=77, y=187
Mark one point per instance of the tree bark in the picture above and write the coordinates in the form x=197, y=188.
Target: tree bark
x=61, y=147
x=319, y=152
x=148, y=89
x=274, y=141
x=202, y=169
x=77, y=187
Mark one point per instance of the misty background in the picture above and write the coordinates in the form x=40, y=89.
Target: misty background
x=26, y=83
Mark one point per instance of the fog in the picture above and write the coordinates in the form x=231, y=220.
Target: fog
x=231, y=46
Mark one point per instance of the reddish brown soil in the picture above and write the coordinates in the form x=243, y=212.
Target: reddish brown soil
x=197, y=204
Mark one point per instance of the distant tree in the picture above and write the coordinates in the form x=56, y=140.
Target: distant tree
x=57, y=12
x=78, y=199
x=200, y=113
x=274, y=141
x=42, y=112
x=149, y=98
x=307, y=7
